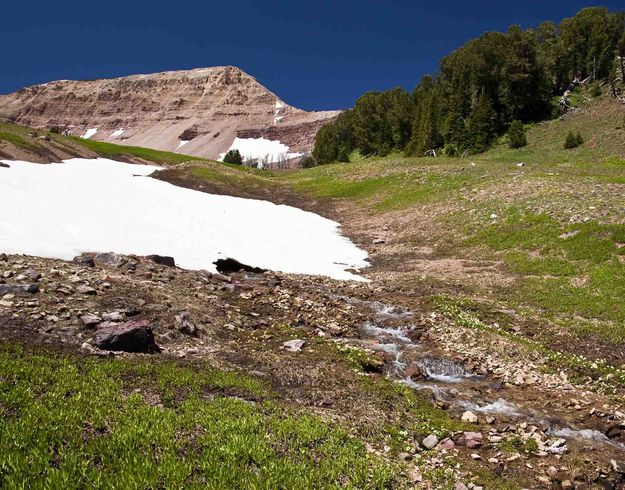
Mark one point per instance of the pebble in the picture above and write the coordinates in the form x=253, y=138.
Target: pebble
x=430, y=442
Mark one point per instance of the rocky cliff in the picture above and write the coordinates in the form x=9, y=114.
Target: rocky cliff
x=198, y=112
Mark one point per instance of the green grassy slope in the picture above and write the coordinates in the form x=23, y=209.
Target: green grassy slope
x=43, y=146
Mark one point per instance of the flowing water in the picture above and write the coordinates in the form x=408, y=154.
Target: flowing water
x=427, y=369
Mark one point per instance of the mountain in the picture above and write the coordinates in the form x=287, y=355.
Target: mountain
x=201, y=110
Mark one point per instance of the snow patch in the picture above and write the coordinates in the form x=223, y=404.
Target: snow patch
x=280, y=104
x=61, y=210
x=182, y=143
x=90, y=132
x=261, y=150
x=277, y=119
x=117, y=133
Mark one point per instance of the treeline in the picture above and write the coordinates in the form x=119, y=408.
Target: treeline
x=481, y=89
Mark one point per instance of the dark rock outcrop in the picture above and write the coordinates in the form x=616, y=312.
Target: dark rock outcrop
x=133, y=336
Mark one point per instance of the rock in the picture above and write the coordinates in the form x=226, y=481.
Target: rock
x=430, y=442
x=552, y=472
x=86, y=348
x=613, y=431
x=84, y=260
x=461, y=486
x=520, y=164
x=493, y=216
x=469, y=417
x=84, y=289
x=447, y=444
x=162, y=260
x=113, y=316
x=4, y=258
x=471, y=439
x=293, y=345
x=18, y=288
x=32, y=275
x=4, y=165
x=225, y=266
x=110, y=259
x=185, y=325
x=90, y=321
x=133, y=336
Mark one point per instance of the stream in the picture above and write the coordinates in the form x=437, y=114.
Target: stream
x=428, y=369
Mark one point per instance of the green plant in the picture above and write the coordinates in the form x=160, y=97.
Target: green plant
x=234, y=157
x=516, y=135
x=573, y=140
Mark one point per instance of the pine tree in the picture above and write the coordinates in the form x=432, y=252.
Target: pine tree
x=233, y=156
x=482, y=125
x=621, y=53
x=516, y=135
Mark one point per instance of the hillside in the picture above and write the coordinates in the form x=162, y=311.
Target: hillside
x=487, y=350
x=200, y=112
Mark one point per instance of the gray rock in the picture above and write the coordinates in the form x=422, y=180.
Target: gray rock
x=4, y=257
x=293, y=345
x=113, y=316
x=90, y=321
x=133, y=336
x=110, y=259
x=469, y=417
x=185, y=325
x=430, y=442
x=18, y=288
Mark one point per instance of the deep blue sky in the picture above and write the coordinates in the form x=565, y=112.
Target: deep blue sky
x=316, y=55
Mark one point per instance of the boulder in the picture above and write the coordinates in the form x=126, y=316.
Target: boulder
x=133, y=336
x=224, y=266
x=162, y=260
x=110, y=259
x=471, y=440
x=4, y=257
x=84, y=260
x=3, y=165
x=469, y=417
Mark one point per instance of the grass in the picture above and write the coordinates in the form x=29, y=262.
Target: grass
x=121, y=152
x=70, y=422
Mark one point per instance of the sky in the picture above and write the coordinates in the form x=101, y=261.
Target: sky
x=316, y=55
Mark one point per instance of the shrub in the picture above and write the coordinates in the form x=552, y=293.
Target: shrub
x=516, y=135
x=595, y=89
x=573, y=140
x=233, y=156
x=307, y=161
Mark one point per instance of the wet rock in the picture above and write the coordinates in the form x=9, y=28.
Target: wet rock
x=228, y=265
x=293, y=345
x=430, y=442
x=110, y=259
x=614, y=430
x=469, y=417
x=18, y=289
x=84, y=260
x=162, y=260
x=133, y=336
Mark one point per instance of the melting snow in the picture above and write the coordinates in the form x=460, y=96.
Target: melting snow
x=277, y=119
x=261, y=150
x=280, y=104
x=182, y=143
x=62, y=210
x=90, y=133
x=117, y=133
